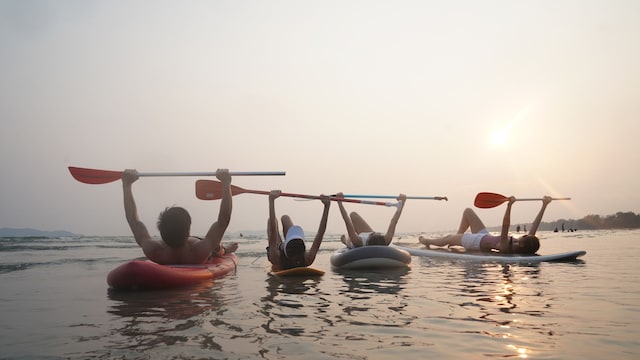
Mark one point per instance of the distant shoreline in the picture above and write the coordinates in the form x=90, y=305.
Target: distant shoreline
x=29, y=232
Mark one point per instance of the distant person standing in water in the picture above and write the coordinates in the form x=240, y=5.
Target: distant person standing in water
x=480, y=239
x=361, y=234
x=292, y=252
x=177, y=245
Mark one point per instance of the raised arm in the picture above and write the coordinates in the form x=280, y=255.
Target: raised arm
x=216, y=231
x=506, y=223
x=388, y=237
x=536, y=223
x=139, y=230
x=310, y=255
x=351, y=230
x=273, y=231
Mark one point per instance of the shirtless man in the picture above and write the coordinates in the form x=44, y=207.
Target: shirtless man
x=177, y=245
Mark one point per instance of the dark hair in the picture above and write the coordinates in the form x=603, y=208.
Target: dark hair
x=528, y=244
x=174, y=224
x=376, y=239
x=295, y=247
x=295, y=252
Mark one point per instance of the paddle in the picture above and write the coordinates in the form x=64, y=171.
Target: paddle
x=96, y=176
x=212, y=190
x=395, y=196
x=487, y=200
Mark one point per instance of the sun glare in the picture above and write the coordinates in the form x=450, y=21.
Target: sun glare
x=499, y=137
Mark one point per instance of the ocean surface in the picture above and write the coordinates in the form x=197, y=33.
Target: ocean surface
x=55, y=304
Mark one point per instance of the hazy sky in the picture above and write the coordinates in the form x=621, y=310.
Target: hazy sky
x=524, y=98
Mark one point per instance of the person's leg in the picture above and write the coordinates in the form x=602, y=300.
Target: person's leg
x=449, y=240
x=359, y=224
x=346, y=241
x=273, y=239
x=286, y=224
x=470, y=220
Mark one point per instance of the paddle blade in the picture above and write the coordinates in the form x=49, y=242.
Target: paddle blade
x=94, y=176
x=212, y=190
x=487, y=200
x=208, y=190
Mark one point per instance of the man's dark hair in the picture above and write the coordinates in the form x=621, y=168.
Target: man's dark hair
x=174, y=224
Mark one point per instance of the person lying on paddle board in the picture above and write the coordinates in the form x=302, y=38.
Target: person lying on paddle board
x=480, y=239
x=292, y=252
x=174, y=223
x=361, y=234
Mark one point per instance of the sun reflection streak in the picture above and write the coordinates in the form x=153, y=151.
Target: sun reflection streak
x=555, y=193
x=522, y=352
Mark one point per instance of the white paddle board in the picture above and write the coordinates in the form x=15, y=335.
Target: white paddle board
x=491, y=257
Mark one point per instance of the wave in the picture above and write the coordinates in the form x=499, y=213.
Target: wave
x=16, y=244
x=7, y=268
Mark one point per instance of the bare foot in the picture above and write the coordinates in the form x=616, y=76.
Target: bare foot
x=424, y=241
x=346, y=241
x=231, y=248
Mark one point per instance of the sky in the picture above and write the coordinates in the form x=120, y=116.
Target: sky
x=425, y=98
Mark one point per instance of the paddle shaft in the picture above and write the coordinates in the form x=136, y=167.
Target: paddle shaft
x=204, y=173
x=539, y=199
x=212, y=190
x=487, y=200
x=96, y=176
x=332, y=198
x=395, y=197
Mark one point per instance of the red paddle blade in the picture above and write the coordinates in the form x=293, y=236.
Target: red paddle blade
x=208, y=190
x=487, y=200
x=212, y=190
x=94, y=176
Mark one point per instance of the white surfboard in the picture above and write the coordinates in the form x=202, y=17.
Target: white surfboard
x=492, y=257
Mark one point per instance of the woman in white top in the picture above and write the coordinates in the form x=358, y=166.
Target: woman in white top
x=361, y=234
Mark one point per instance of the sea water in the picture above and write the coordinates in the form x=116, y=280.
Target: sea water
x=55, y=303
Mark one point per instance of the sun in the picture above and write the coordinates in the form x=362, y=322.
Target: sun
x=499, y=137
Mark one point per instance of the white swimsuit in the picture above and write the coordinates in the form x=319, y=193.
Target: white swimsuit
x=472, y=241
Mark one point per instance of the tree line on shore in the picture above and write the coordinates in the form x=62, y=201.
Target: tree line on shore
x=619, y=220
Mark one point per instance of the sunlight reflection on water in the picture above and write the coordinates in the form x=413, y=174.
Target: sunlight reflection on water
x=435, y=308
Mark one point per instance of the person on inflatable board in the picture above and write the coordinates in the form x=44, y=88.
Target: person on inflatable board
x=292, y=252
x=174, y=223
x=479, y=239
x=361, y=234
